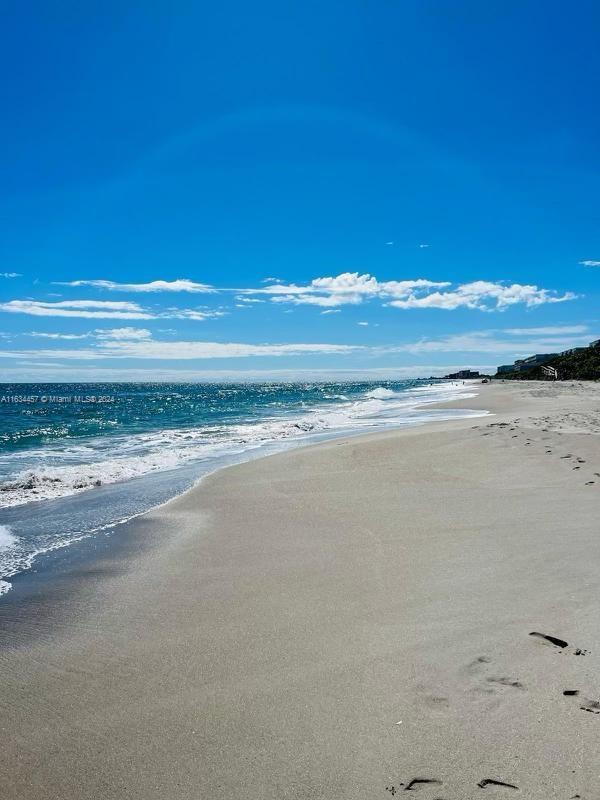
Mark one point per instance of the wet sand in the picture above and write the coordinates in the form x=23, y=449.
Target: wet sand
x=347, y=620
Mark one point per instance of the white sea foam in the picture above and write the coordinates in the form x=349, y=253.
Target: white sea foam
x=7, y=539
x=380, y=393
x=8, y=543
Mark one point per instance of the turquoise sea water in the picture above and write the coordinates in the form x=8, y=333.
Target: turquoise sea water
x=76, y=459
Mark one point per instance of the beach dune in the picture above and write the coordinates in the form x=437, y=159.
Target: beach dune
x=349, y=620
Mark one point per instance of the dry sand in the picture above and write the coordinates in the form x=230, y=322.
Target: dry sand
x=334, y=622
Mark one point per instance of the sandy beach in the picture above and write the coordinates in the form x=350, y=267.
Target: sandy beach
x=348, y=620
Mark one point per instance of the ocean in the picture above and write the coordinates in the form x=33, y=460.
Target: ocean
x=79, y=459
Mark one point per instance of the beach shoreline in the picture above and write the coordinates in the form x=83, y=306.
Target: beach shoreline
x=338, y=619
x=131, y=499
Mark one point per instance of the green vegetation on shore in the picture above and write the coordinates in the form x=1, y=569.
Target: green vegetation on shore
x=582, y=365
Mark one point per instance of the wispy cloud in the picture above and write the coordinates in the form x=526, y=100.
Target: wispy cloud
x=590, y=263
x=249, y=300
x=200, y=315
x=179, y=285
x=123, y=334
x=10, y=274
x=143, y=347
x=99, y=333
x=547, y=330
x=332, y=311
x=493, y=341
x=86, y=309
x=137, y=343
x=104, y=309
x=55, y=336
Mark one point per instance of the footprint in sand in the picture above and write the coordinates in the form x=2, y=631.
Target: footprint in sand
x=413, y=785
x=417, y=783
x=593, y=706
x=550, y=639
x=478, y=665
x=491, y=782
x=475, y=665
x=506, y=682
x=557, y=644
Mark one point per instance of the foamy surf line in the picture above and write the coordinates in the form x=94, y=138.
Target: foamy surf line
x=87, y=465
x=8, y=543
x=119, y=500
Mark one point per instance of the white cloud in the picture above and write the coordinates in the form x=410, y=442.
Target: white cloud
x=352, y=288
x=590, y=263
x=348, y=288
x=140, y=346
x=179, y=285
x=324, y=301
x=137, y=343
x=120, y=334
x=187, y=350
x=484, y=296
x=40, y=364
x=332, y=311
x=364, y=324
x=548, y=329
x=69, y=336
x=250, y=300
x=491, y=341
x=10, y=274
x=99, y=333
x=200, y=315
x=423, y=246
x=104, y=309
x=87, y=309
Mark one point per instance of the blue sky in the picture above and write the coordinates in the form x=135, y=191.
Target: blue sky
x=296, y=189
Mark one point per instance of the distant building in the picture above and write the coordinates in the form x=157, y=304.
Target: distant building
x=462, y=374
x=522, y=364
x=535, y=361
